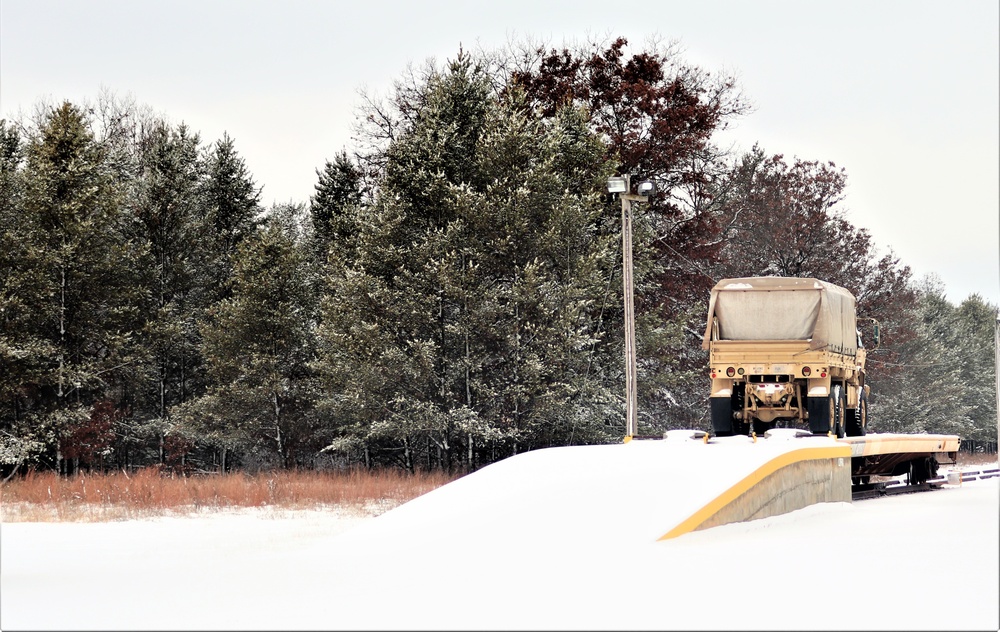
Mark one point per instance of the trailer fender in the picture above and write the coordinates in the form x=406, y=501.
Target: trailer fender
x=722, y=387
x=819, y=387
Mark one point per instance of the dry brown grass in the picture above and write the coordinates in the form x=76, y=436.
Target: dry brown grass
x=47, y=496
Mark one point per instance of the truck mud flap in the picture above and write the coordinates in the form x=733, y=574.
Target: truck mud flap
x=722, y=416
x=819, y=414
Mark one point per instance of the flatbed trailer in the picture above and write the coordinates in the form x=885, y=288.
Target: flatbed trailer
x=878, y=454
x=891, y=454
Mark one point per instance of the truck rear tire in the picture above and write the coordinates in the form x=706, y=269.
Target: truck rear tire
x=857, y=418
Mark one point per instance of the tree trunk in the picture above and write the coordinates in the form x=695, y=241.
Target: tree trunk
x=163, y=390
x=407, y=455
x=183, y=394
x=472, y=464
x=277, y=430
x=468, y=385
x=517, y=368
x=62, y=328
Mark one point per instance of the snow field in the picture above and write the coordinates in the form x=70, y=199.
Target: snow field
x=554, y=539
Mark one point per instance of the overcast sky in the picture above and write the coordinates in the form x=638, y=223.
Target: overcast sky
x=901, y=93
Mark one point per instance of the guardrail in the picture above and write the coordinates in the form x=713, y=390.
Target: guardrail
x=967, y=475
x=900, y=486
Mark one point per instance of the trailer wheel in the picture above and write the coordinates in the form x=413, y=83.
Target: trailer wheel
x=917, y=473
x=922, y=470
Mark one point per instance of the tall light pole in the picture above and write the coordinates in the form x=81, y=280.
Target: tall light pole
x=622, y=186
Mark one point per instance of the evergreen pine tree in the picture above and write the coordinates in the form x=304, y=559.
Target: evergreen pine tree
x=929, y=392
x=258, y=344
x=166, y=215
x=22, y=349
x=231, y=204
x=465, y=328
x=337, y=198
x=79, y=268
x=976, y=319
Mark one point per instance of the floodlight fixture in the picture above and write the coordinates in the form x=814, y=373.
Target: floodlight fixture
x=647, y=187
x=618, y=184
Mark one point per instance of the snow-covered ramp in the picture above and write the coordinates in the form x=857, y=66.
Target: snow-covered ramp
x=640, y=490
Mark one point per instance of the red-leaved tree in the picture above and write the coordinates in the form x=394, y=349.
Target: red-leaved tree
x=657, y=116
x=90, y=442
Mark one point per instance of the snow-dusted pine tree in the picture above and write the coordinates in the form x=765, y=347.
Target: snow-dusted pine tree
x=258, y=344
x=469, y=326
x=74, y=276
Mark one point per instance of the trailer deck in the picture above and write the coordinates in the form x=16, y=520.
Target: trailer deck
x=891, y=454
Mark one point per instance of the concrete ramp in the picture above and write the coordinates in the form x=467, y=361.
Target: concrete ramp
x=640, y=490
x=802, y=476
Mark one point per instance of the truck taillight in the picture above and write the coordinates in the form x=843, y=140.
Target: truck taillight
x=730, y=372
x=806, y=371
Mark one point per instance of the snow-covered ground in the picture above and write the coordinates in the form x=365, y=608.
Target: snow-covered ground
x=554, y=539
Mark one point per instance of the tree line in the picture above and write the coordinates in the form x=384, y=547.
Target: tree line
x=451, y=293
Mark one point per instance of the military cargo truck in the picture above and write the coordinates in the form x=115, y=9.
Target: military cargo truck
x=785, y=351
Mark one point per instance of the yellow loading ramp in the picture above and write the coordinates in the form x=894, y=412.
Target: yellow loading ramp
x=792, y=480
x=809, y=475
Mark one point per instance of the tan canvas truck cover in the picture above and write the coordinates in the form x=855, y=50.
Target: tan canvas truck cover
x=784, y=308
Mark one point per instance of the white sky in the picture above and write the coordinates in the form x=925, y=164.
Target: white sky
x=556, y=539
x=902, y=93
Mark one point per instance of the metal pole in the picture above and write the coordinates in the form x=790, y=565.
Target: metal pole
x=631, y=422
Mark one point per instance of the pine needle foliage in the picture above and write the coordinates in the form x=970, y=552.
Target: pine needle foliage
x=468, y=327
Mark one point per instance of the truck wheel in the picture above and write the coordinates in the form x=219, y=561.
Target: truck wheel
x=838, y=416
x=863, y=414
x=857, y=419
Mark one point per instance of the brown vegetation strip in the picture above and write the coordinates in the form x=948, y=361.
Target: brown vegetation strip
x=119, y=495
